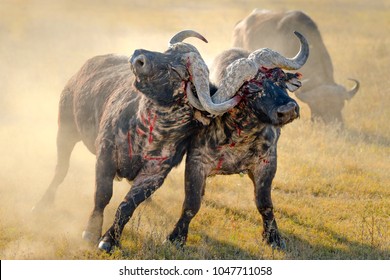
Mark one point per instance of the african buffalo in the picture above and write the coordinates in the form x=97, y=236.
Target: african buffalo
x=244, y=139
x=136, y=118
x=323, y=95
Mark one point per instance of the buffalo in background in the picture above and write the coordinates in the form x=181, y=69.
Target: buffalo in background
x=263, y=28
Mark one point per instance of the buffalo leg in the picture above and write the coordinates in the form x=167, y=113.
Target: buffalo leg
x=143, y=187
x=67, y=137
x=194, y=191
x=105, y=174
x=262, y=177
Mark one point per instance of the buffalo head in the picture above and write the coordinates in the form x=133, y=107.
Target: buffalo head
x=244, y=69
x=326, y=101
x=162, y=76
x=266, y=96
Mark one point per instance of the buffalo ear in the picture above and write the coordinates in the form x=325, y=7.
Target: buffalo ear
x=292, y=82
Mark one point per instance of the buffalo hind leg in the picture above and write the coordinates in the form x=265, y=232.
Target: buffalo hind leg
x=143, y=187
x=262, y=179
x=67, y=137
x=194, y=191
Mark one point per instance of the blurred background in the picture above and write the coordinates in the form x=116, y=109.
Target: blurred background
x=332, y=189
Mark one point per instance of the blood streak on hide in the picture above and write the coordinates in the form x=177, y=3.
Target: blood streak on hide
x=130, y=145
x=140, y=131
x=220, y=162
x=238, y=131
x=188, y=65
x=151, y=126
x=159, y=159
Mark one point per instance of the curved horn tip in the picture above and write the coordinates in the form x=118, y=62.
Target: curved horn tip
x=184, y=34
x=304, y=51
x=303, y=39
x=354, y=80
x=298, y=34
x=351, y=93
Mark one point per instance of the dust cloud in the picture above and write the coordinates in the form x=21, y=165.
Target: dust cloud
x=43, y=43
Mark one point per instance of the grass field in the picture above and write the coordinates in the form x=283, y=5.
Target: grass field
x=332, y=189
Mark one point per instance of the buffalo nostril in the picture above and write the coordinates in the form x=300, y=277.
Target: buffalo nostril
x=280, y=115
x=288, y=111
x=139, y=61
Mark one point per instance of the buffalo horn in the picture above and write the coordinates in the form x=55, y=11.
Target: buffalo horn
x=195, y=66
x=182, y=35
x=270, y=59
x=200, y=78
x=351, y=93
x=192, y=99
x=243, y=69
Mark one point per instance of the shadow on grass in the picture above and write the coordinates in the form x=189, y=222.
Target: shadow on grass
x=299, y=248
x=136, y=244
x=343, y=249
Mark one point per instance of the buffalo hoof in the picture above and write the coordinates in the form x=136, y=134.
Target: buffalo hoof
x=274, y=239
x=90, y=237
x=105, y=246
x=108, y=244
x=177, y=240
x=176, y=243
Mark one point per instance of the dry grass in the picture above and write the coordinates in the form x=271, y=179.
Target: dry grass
x=332, y=188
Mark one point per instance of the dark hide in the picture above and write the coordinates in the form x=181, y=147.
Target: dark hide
x=243, y=140
x=136, y=119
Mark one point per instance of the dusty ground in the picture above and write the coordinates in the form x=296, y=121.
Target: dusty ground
x=331, y=191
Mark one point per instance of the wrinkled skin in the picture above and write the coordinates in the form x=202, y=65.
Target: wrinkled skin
x=262, y=28
x=243, y=140
x=136, y=118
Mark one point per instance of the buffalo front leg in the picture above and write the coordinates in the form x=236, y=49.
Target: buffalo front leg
x=262, y=177
x=143, y=187
x=194, y=190
x=105, y=173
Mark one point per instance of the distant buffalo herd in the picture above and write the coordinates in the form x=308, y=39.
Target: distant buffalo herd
x=141, y=115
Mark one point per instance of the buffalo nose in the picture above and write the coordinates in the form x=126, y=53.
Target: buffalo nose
x=288, y=112
x=140, y=63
